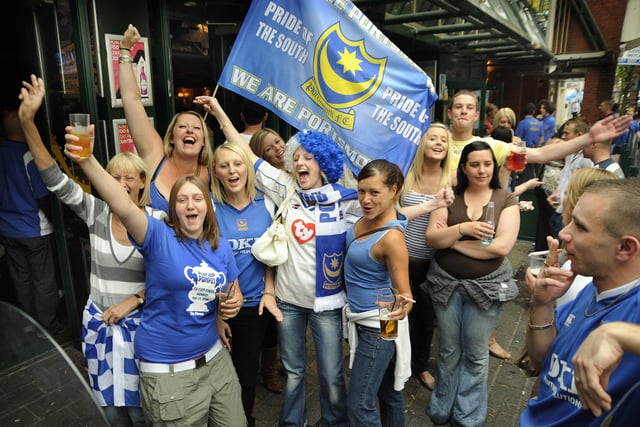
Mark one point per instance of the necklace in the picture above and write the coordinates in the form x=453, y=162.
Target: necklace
x=615, y=301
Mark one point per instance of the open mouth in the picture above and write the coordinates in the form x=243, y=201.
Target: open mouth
x=189, y=140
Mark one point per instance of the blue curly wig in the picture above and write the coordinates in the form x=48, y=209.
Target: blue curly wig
x=324, y=149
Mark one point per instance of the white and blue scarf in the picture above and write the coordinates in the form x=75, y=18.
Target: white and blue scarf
x=331, y=229
x=108, y=349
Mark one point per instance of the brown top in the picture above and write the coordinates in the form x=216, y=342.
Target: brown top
x=462, y=266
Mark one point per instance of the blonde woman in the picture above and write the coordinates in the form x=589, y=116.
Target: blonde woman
x=268, y=144
x=428, y=184
x=185, y=148
x=113, y=311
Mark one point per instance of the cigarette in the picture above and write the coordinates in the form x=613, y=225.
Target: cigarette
x=408, y=299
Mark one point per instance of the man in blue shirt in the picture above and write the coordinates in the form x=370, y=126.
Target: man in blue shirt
x=529, y=129
x=25, y=231
x=548, y=119
x=605, y=247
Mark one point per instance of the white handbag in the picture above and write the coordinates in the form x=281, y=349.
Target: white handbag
x=271, y=247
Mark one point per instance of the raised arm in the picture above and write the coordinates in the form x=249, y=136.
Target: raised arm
x=212, y=106
x=602, y=130
x=31, y=96
x=444, y=198
x=134, y=219
x=145, y=137
x=551, y=283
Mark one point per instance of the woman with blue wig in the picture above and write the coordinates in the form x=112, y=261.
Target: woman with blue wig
x=309, y=285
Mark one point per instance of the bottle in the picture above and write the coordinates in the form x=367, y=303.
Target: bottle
x=143, y=82
x=489, y=220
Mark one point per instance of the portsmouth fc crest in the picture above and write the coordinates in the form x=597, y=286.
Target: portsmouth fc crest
x=332, y=270
x=344, y=75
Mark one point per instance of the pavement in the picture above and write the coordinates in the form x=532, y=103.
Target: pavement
x=509, y=388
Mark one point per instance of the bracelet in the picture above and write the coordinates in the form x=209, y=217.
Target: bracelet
x=140, y=298
x=423, y=207
x=224, y=125
x=460, y=229
x=542, y=327
x=124, y=59
x=125, y=48
x=269, y=293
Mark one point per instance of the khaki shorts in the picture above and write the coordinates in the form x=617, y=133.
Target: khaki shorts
x=208, y=395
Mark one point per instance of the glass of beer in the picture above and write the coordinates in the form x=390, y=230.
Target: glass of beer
x=517, y=159
x=536, y=261
x=80, y=123
x=224, y=293
x=386, y=304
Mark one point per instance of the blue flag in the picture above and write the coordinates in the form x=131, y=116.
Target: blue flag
x=324, y=66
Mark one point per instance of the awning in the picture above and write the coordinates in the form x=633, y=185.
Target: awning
x=501, y=31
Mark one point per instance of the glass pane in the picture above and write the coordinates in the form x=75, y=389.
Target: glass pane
x=39, y=382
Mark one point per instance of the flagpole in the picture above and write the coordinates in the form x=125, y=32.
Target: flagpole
x=206, y=113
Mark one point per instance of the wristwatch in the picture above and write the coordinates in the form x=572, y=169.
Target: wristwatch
x=140, y=298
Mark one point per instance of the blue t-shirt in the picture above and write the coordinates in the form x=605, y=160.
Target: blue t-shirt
x=548, y=127
x=179, y=318
x=20, y=188
x=557, y=403
x=621, y=140
x=241, y=228
x=530, y=130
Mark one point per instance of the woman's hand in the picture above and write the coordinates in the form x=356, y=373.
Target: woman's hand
x=402, y=307
x=119, y=311
x=479, y=230
x=70, y=148
x=229, y=305
x=224, y=330
x=268, y=301
x=131, y=37
x=533, y=183
x=445, y=197
x=209, y=103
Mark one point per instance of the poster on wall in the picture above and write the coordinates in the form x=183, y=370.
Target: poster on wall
x=141, y=68
x=122, y=136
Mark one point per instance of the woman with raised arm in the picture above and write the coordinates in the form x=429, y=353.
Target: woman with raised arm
x=309, y=285
x=268, y=144
x=186, y=374
x=185, y=149
x=117, y=280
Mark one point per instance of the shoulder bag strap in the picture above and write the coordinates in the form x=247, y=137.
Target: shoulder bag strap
x=283, y=206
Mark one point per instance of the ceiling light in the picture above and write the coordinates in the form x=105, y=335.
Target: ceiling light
x=190, y=3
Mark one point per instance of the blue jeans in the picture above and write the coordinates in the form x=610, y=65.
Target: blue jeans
x=463, y=361
x=326, y=329
x=373, y=374
x=124, y=416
